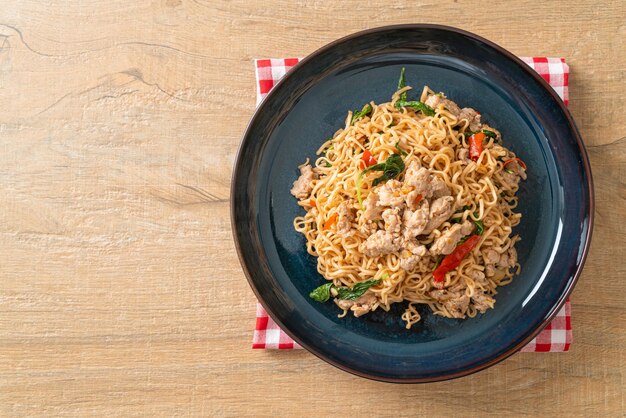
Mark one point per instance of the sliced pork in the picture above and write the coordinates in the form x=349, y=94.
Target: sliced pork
x=304, y=184
x=346, y=216
x=448, y=241
x=380, y=243
x=411, y=255
x=456, y=303
x=440, y=211
x=359, y=306
x=415, y=221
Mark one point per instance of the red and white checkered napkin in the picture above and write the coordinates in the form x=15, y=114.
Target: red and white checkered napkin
x=556, y=337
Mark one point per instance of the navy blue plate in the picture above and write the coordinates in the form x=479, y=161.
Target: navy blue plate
x=311, y=103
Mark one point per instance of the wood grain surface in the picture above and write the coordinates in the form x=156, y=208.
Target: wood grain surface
x=120, y=290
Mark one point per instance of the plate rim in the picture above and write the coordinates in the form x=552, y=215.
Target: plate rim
x=238, y=163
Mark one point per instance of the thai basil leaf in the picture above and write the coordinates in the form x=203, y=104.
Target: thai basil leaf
x=391, y=168
x=403, y=152
x=356, y=291
x=322, y=293
x=480, y=227
x=437, y=262
x=367, y=109
x=418, y=106
x=401, y=85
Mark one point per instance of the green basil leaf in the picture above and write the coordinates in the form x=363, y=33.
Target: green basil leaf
x=356, y=291
x=322, y=293
x=403, y=152
x=367, y=109
x=401, y=85
x=480, y=227
x=418, y=106
x=437, y=262
x=390, y=168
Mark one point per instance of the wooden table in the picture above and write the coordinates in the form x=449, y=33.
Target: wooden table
x=120, y=290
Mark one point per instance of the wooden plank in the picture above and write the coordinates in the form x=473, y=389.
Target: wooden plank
x=121, y=293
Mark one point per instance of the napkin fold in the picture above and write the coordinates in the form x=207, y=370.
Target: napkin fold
x=556, y=337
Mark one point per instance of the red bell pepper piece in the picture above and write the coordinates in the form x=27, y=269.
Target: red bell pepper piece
x=476, y=145
x=330, y=222
x=368, y=159
x=452, y=260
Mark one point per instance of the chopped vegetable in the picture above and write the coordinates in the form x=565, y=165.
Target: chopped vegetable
x=322, y=293
x=437, y=262
x=418, y=199
x=490, y=134
x=453, y=260
x=390, y=168
x=418, y=106
x=356, y=291
x=368, y=159
x=403, y=152
x=480, y=227
x=402, y=85
x=476, y=145
x=313, y=203
x=330, y=221
x=487, y=132
x=367, y=109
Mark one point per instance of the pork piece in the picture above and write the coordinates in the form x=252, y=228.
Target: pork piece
x=424, y=184
x=380, y=243
x=439, y=187
x=471, y=116
x=419, y=179
x=304, y=184
x=346, y=216
x=359, y=306
x=411, y=255
x=455, y=302
x=440, y=211
x=393, y=221
x=463, y=155
x=447, y=242
x=436, y=100
x=483, y=301
x=491, y=256
x=390, y=194
x=372, y=212
x=508, y=259
x=517, y=169
x=507, y=180
x=490, y=270
x=478, y=276
x=412, y=199
x=415, y=221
